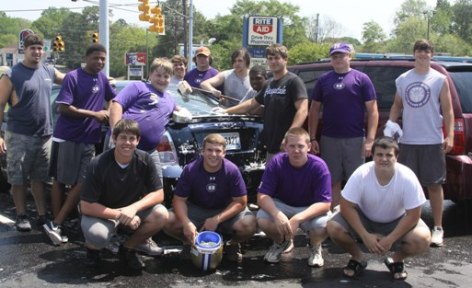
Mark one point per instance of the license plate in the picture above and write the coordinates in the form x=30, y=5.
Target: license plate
x=232, y=141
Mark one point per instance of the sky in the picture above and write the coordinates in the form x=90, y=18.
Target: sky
x=350, y=14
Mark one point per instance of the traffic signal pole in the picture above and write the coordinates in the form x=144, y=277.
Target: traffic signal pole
x=103, y=30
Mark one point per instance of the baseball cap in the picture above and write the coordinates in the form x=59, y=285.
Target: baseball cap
x=203, y=50
x=340, y=48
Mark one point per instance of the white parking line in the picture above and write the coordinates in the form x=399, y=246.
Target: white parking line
x=6, y=220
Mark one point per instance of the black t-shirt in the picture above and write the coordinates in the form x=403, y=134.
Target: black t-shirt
x=114, y=187
x=278, y=98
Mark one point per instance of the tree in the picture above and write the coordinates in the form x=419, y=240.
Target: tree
x=410, y=8
x=308, y=52
x=462, y=19
x=373, y=36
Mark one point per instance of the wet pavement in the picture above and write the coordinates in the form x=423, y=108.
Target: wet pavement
x=29, y=260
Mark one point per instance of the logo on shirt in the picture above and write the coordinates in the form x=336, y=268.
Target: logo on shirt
x=211, y=187
x=339, y=86
x=417, y=94
x=154, y=99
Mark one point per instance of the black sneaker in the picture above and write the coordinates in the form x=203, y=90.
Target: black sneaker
x=93, y=257
x=130, y=258
x=22, y=223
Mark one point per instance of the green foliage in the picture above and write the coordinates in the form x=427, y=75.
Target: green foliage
x=373, y=36
x=308, y=52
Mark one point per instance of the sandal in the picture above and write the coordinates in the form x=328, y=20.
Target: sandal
x=397, y=269
x=354, y=268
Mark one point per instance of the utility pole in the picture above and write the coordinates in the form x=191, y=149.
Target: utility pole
x=103, y=31
x=184, y=20
x=190, y=34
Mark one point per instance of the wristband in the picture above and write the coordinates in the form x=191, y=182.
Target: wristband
x=312, y=139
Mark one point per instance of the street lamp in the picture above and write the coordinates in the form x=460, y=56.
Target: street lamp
x=428, y=15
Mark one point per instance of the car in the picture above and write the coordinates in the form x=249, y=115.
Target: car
x=182, y=141
x=383, y=73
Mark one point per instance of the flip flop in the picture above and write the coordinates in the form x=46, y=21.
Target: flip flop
x=397, y=269
x=355, y=267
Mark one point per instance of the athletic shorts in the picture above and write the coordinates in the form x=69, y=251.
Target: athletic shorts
x=372, y=226
x=27, y=158
x=198, y=216
x=69, y=161
x=427, y=161
x=312, y=224
x=98, y=231
x=342, y=155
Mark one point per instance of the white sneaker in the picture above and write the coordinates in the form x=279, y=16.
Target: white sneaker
x=273, y=255
x=316, y=258
x=437, y=235
x=149, y=247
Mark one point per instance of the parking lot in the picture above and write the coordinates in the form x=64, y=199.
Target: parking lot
x=29, y=260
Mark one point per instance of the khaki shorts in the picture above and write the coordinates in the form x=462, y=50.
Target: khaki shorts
x=27, y=158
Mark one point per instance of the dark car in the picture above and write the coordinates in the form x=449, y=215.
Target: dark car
x=182, y=141
x=383, y=73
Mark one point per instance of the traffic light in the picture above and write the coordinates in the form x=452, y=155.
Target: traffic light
x=157, y=21
x=95, y=37
x=144, y=8
x=58, y=45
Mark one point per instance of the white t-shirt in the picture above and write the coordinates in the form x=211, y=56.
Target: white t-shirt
x=379, y=203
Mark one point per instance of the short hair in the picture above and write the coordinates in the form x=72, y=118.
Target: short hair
x=33, y=39
x=258, y=69
x=243, y=53
x=298, y=132
x=179, y=59
x=277, y=49
x=216, y=139
x=126, y=126
x=210, y=60
x=386, y=142
x=162, y=64
x=423, y=45
x=96, y=47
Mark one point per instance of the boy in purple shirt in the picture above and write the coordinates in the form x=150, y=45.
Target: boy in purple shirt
x=203, y=71
x=211, y=195
x=295, y=192
x=346, y=96
x=78, y=129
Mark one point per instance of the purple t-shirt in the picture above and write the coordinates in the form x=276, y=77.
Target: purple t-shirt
x=210, y=190
x=84, y=91
x=149, y=107
x=343, y=97
x=298, y=187
x=195, y=77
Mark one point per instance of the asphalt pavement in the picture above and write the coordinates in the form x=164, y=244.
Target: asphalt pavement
x=29, y=260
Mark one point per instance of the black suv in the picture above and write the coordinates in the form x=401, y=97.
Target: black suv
x=383, y=73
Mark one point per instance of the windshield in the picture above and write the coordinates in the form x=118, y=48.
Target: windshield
x=464, y=89
x=197, y=102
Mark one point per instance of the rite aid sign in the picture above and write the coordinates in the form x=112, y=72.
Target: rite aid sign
x=262, y=30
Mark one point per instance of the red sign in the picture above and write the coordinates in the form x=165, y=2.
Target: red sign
x=262, y=25
x=136, y=58
x=23, y=34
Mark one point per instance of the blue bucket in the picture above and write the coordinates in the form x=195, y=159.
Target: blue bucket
x=207, y=251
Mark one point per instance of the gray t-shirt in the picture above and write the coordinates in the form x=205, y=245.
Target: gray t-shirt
x=236, y=87
x=32, y=114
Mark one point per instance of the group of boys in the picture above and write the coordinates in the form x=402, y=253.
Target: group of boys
x=380, y=203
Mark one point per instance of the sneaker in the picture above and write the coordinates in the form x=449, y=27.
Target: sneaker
x=93, y=257
x=273, y=255
x=437, y=235
x=233, y=252
x=22, y=223
x=54, y=233
x=149, y=247
x=316, y=258
x=130, y=258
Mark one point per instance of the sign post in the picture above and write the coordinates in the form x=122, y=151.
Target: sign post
x=21, y=44
x=135, y=62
